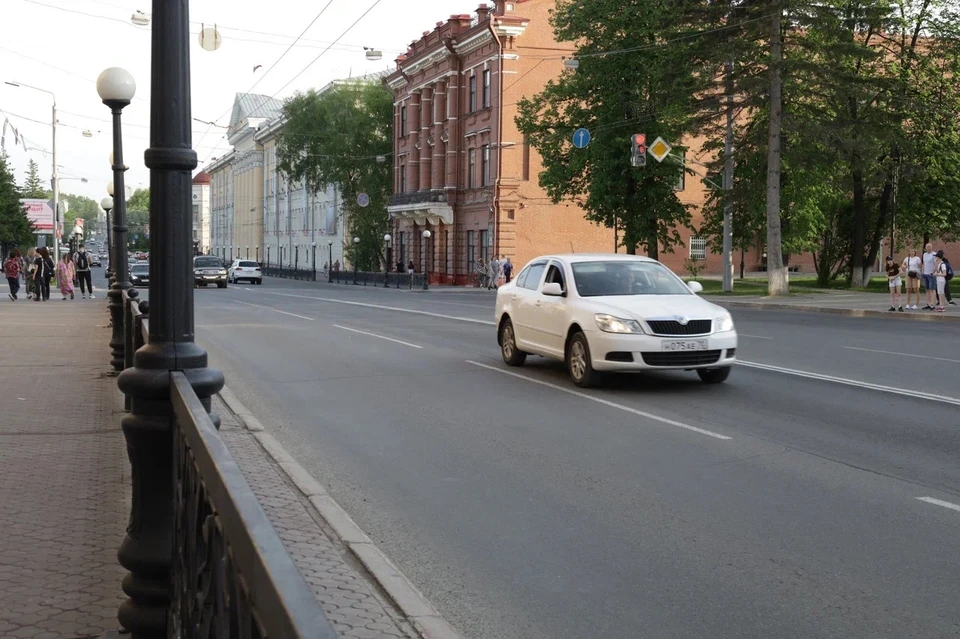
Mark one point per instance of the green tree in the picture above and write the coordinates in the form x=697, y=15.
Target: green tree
x=138, y=217
x=650, y=89
x=79, y=207
x=15, y=228
x=33, y=185
x=340, y=137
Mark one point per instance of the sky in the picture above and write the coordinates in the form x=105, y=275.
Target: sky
x=61, y=46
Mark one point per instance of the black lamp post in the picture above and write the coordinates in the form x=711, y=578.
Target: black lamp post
x=117, y=88
x=356, y=248
x=387, y=260
x=314, y=245
x=296, y=259
x=330, y=263
x=268, y=256
x=258, y=253
x=107, y=205
x=248, y=253
x=147, y=550
x=426, y=245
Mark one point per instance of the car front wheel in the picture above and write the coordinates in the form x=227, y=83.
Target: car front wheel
x=512, y=356
x=579, y=364
x=714, y=375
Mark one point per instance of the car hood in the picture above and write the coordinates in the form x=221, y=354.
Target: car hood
x=656, y=306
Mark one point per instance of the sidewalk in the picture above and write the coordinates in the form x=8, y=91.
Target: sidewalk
x=64, y=474
x=849, y=303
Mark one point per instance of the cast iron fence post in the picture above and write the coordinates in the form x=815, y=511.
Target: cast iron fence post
x=147, y=549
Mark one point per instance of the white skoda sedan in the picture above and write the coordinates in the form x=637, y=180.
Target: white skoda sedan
x=612, y=313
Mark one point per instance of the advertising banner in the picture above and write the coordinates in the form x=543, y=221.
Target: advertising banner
x=40, y=214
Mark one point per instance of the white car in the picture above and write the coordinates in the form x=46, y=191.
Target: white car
x=244, y=270
x=612, y=313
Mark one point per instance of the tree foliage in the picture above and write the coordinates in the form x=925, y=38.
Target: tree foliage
x=15, y=228
x=33, y=185
x=335, y=138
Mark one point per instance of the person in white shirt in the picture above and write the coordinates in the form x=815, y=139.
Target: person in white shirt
x=929, y=278
x=940, y=271
x=912, y=268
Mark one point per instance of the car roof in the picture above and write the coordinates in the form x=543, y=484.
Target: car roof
x=595, y=257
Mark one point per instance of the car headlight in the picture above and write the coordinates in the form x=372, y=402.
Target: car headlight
x=723, y=323
x=223, y=273
x=612, y=324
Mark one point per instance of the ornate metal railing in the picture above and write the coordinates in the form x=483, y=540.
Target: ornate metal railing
x=230, y=575
x=309, y=275
x=384, y=280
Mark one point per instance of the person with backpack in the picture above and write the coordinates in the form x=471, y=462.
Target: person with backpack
x=11, y=270
x=43, y=273
x=83, y=272
x=946, y=283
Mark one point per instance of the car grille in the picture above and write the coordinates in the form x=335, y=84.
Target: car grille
x=673, y=327
x=682, y=358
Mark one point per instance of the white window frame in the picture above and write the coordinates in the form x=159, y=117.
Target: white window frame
x=698, y=248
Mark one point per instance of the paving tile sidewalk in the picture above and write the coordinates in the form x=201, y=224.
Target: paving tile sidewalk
x=852, y=304
x=348, y=597
x=64, y=474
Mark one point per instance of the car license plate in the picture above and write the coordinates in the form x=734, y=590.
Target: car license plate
x=685, y=345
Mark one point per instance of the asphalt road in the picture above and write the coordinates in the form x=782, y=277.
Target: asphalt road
x=784, y=503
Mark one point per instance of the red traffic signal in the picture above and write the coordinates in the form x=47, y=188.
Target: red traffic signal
x=640, y=139
x=641, y=150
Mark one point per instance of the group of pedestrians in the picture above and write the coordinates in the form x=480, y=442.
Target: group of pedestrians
x=492, y=274
x=37, y=270
x=932, y=271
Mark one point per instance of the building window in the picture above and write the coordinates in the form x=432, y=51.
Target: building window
x=682, y=182
x=698, y=248
x=486, y=88
x=471, y=253
x=446, y=251
x=403, y=121
x=403, y=178
x=485, y=166
x=484, y=248
x=472, y=169
x=402, y=248
x=473, y=94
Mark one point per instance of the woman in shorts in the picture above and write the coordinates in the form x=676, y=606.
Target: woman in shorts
x=893, y=277
x=911, y=268
x=940, y=272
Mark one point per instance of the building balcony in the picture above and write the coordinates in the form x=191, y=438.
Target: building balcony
x=421, y=207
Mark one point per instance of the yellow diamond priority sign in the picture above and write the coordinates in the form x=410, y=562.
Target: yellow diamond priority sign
x=659, y=149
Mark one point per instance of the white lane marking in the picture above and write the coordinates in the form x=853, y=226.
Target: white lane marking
x=389, y=339
x=873, y=350
x=247, y=289
x=605, y=402
x=739, y=334
x=275, y=310
x=389, y=308
x=940, y=502
x=851, y=382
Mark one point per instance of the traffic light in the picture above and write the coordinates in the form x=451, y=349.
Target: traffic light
x=638, y=150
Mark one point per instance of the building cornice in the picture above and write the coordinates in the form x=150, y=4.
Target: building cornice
x=473, y=42
x=426, y=60
x=219, y=164
x=397, y=82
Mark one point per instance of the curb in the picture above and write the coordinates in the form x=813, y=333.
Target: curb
x=847, y=312
x=411, y=602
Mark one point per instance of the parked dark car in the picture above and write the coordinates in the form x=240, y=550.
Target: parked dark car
x=140, y=275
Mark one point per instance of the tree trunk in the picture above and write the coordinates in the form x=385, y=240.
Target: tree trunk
x=778, y=281
x=878, y=230
x=859, y=229
x=653, y=243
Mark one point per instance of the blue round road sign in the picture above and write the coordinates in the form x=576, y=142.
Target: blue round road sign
x=363, y=199
x=581, y=138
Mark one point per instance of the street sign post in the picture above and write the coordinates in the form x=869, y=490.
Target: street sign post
x=581, y=138
x=660, y=149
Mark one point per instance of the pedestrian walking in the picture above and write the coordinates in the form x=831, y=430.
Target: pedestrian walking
x=493, y=273
x=11, y=270
x=482, y=275
x=946, y=284
x=43, y=273
x=893, y=278
x=940, y=272
x=83, y=272
x=507, y=271
x=411, y=268
x=929, y=276
x=66, y=271
x=912, y=267
x=29, y=268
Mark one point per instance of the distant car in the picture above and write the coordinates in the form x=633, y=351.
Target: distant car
x=208, y=269
x=244, y=270
x=140, y=275
x=141, y=255
x=95, y=260
x=612, y=313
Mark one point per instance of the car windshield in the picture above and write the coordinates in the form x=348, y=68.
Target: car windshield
x=248, y=264
x=140, y=269
x=597, y=279
x=207, y=262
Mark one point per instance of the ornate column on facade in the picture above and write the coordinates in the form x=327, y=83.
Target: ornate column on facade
x=426, y=150
x=453, y=144
x=438, y=177
x=413, y=165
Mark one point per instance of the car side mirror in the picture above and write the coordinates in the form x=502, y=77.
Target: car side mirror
x=552, y=289
x=695, y=287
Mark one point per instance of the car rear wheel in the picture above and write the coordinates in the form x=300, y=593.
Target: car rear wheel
x=579, y=363
x=714, y=375
x=512, y=356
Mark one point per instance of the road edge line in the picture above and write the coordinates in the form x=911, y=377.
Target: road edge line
x=846, y=312
x=418, y=610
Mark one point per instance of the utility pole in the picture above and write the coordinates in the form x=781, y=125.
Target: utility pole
x=728, y=186
x=56, y=188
